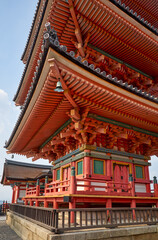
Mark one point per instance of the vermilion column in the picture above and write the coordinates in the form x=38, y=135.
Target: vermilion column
x=45, y=203
x=72, y=181
x=13, y=194
x=37, y=187
x=109, y=203
x=55, y=204
x=133, y=205
x=147, y=178
x=86, y=165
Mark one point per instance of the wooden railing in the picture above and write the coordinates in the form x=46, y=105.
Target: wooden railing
x=60, y=220
x=35, y=191
x=90, y=186
x=57, y=187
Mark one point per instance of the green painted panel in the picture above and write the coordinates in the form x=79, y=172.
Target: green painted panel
x=80, y=167
x=139, y=172
x=58, y=174
x=98, y=167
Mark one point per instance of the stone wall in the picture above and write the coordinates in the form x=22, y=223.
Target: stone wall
x=26, y=229
x=30, y=231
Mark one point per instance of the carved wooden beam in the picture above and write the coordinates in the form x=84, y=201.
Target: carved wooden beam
x=67, y=134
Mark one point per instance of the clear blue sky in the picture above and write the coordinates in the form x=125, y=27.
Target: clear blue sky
x=16, y=18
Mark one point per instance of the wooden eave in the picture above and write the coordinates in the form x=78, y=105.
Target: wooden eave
x=33, y=30
x=111, y=30
x=147, y=9
x=33, y=49
x=14, y=171
x=48, y=110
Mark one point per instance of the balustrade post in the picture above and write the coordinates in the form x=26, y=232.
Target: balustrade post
x=72, y=181
x=37, y=187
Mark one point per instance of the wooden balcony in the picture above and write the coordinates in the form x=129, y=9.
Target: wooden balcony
x=88, y=187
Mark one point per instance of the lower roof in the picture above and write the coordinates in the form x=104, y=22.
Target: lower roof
x=21, y=171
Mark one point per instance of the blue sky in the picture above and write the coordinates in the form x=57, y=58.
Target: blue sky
x=16, y=18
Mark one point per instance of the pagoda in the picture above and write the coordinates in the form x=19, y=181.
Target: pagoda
x=89, y=102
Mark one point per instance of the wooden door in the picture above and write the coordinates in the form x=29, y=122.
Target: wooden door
x=121, y=173
x=66, y=173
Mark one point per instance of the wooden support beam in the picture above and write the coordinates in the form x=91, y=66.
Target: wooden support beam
x=75, y=114
x=57, y=141
x=67, y=134
x=122, y=135
x=77, y=29
x=101, y=130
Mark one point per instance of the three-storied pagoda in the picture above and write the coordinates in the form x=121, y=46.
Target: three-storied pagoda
x=89, y=101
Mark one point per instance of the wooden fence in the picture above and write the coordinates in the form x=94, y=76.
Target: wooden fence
x=60, y=220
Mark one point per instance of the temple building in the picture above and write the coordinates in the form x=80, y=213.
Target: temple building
x=89, y=102
x=23, y=176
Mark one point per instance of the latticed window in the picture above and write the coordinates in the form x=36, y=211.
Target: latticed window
x=58, y=174
x=139, y=172
x=79, y=167
x=98, y=167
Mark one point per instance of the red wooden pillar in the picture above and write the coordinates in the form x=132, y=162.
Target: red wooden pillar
x=54, y=175
x=155, y=186
x=13, y=194
x=86, y=169
x=109, y=169
x=109, y=203
x=25, y=201
x=37, y=187
x=45, y=203
x=72, y=205
x=86, y=165
x=131, y=183
x=72, y=181
x=55, y=204
x=133, y=205
x=148, y=190
x=18, y=192
x=31, y=203
x=37, y=203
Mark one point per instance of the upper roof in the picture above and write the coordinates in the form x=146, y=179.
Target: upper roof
x=148, y=10
x=20, y=171
x=46, y=110
x=111, y=30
